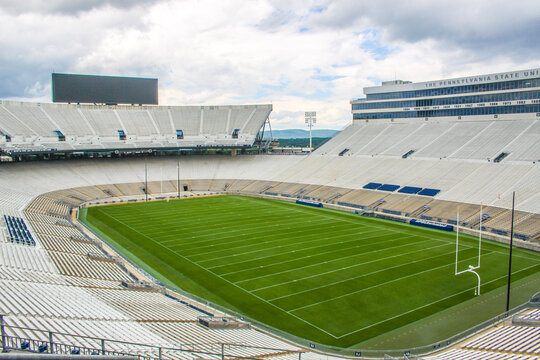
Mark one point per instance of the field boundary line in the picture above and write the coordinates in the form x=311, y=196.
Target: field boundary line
x=365, y=226
x=348, y=267
x=301, y=257
x=326, y=262
x=405, y=235
x=431, y=303
x=514, y=255
x=271, y=241
x=263, y=210
x=185, y=213
x=377, y=285
x=233, y=232
x=286, y=252
x=340, y=218
x=239, y=287
x=277, y=307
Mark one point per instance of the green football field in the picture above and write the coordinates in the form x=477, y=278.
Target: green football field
x=331, y=277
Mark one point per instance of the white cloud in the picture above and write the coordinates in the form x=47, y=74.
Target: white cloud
x=67, y=6
x=301, y=55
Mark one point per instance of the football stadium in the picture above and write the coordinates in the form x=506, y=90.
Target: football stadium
x=135, y=229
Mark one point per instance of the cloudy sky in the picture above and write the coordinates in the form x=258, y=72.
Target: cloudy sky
x=298, y=55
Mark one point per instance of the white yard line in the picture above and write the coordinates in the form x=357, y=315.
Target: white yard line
x=236, y=235
x=349, y=267
x=319, y=263
x=205, y=231
x=286, y=241
x=374, y=286
x=196, y=217
x=514, y=255
x=393, y=239
x=286, y=252
x=290, y=260
x=258, y=297
x=290, y=312
x=425, y=305
x=277, y=307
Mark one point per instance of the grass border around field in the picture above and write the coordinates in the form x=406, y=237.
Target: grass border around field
x=147, y=261
x=436, y=327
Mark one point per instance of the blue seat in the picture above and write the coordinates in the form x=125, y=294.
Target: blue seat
x=18, y=231
x=372, y=186
x=389, y=187
x=409, y=190
x=429, y=192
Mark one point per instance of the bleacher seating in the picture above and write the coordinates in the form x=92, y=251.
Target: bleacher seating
x=472, y=140
x=453, y=169
x=18, y=232
x=58, y=288
x=531, y=315
x=54, y=127
x=83, y=280
x=504, y=341
x=517, y=339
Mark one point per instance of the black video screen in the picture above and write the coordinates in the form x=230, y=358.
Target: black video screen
x=70, y=88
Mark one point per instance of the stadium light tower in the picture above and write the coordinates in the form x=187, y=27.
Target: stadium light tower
x=311, y=118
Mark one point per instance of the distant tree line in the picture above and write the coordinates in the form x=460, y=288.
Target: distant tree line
x=303, y=142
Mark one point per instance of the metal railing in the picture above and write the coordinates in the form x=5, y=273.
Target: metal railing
x=52, y=342
x=412, y=352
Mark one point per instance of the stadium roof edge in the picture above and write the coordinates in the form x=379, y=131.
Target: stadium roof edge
x=465, y=80
x=122, y=106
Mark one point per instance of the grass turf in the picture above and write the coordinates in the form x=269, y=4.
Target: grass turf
x=327, y=276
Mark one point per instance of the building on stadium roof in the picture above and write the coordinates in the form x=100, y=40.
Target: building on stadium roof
x=506, y=95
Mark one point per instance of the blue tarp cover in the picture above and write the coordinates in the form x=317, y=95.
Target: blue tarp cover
x=429, y=192
x=372, y=186
x=389, y=187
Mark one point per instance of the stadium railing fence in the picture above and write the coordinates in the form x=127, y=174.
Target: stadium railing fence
x=50, y=342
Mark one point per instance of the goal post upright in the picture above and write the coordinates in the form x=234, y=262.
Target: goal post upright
x=471, y=268
x=480, y=233
x=457, y=239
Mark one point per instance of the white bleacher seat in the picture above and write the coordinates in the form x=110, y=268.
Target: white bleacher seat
x=137, y=122
x=103, y=121
x=60, y=265
x=69, y=122
x=34, y=127
x=188, y=120
x=416, y=140
x=161, y=118
x=526, y=145
x=214, y=120
x=490, y=143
